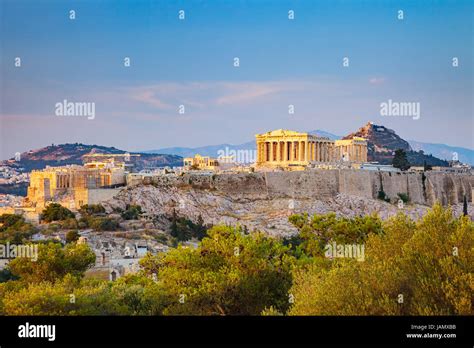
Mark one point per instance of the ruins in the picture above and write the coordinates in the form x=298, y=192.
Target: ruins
x=292, y=150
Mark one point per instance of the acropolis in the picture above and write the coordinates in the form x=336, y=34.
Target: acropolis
x=290, y=149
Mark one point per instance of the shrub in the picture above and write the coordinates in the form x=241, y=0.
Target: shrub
x=72, y=236
x=404, y=197
x=99, y=223
x=14, y=228
x=56, y=212
x=132, y=212
x=429, y=262
x=92, y=209
x=382, y=196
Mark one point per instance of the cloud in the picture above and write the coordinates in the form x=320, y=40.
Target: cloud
x=376, y=80
x=238, y=93
x=200, y=95
x=149, y=97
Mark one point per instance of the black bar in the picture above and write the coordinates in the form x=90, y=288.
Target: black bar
x=242, y=330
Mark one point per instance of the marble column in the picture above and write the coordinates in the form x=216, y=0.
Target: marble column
x=271, y=151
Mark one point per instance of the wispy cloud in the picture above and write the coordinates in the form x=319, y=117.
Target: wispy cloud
x=167, y=96
x=149, y=97
x=376, y=80
x=238, y=93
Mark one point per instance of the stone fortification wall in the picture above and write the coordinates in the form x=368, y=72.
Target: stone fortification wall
x=421, y=188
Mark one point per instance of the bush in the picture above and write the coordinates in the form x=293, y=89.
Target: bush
x=228, y=273
x=92, y=209
x=184, y=229
x=132, y=212
x=72, y=236
x=103, y=224
x=319, y=230
x=404, y=197
x=14, y=228
x=56, y=212
x=429, y=262
x=382, y=196
x=53, y=262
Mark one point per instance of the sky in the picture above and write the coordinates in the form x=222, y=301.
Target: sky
x=190, y=62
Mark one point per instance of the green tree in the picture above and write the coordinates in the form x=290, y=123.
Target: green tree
x=228, y=273
x=132, y=212
x=99, y=223
x=56, y=212
x=72, y=236
x=92, y=209
x=14, y=229
x=426, y=166
x=53, y=262
x=400, y=160
x=316, y=232
x=184, y=229
x=413, y=268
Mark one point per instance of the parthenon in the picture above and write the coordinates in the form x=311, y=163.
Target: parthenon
x=286, y=148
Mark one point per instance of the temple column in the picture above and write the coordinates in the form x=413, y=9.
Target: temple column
x=278, y=151
x=307, y=151
x=301, y=154
x=271, y=151
x=264, y=151
x=259, y=148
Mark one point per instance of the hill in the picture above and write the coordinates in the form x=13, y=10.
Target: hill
x=64, y=154
x=382, y=142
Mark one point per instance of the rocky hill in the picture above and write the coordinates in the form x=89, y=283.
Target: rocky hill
x=64, y=154
x=382, y=142
x=264, y=201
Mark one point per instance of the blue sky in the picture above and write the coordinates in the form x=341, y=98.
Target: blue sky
x=190, y=62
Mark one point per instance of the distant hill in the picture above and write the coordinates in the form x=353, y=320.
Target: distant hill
x=213, y=150
x=444, y=151
x=64, y=154
x=382, y=142
x=210, y=150
x=322, y=133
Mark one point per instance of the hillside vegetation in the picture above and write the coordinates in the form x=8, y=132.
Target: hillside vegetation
x=409, y=268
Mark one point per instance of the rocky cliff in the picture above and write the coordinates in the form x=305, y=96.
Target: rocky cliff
x=265, y=200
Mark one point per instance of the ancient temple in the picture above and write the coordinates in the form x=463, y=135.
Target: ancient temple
x=286, y=148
